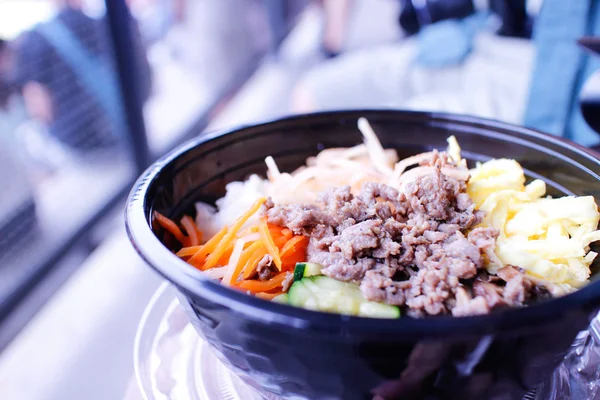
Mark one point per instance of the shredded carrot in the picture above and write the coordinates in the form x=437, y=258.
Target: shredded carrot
x=234, y=260
x=171, y=227
x=268, y=296
x=278, y=238
x=277, y=231
x=250, y=251
x=225, y=257
x=229, y=237
x=263, y=286
x=293, y=243
x=290, y=261
x=208, y=247
x=249, y=230
x=191, y=229
x=240, y=251
x=250, y=266
x=280, y=242
x=246, y=255
x=188, y=251
x=293, y=251
x=267, y=239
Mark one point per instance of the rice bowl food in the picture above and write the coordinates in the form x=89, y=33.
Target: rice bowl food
x=292, y=351
x=357, y=231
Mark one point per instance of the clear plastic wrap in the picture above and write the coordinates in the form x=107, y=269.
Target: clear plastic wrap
x=578, y=377
x=172, y=362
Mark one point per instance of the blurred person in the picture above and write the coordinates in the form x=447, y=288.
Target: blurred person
x=156, y=17
x=335, y=25
x=23, y=137
x=63, y=68
x=417, y=14
x=465, y=66
x=216, y=39
x=17, y=203
x=4, y=69
x=422, y=69
x=12, y=109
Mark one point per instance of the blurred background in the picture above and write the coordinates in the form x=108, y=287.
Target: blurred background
x=92, y=91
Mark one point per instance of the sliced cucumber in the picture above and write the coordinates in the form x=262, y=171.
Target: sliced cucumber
x=282, y=298
x=378, y=310
x=306, y=269
x=321, y=293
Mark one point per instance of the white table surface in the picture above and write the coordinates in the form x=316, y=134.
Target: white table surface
x=79, y=346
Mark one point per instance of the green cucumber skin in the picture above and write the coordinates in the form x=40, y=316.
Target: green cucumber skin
x=321, y=293
x=299, y=271
x=306, y=269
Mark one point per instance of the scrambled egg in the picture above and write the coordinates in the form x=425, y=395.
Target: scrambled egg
x=549, y=238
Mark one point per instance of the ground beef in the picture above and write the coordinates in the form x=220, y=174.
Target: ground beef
x=265, y=268
x=512, y=287
x=518, y=287
x=492, y=293
x=418, y=249
x=466, y=305
x=485, y=239
x=383, y=288
x=301, y=219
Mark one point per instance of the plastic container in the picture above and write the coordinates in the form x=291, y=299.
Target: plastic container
x=298, y=353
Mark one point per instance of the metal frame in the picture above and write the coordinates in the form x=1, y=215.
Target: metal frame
x=118, y=17
x=119, y=21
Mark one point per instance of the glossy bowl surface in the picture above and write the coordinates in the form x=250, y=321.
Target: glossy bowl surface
x=303, y=354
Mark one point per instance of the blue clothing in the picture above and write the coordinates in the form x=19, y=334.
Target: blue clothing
x=448, y=42
x=83, y=114
x=78, y=119
x=562, y=68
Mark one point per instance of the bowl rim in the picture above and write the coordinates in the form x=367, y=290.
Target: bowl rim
x=192, y=282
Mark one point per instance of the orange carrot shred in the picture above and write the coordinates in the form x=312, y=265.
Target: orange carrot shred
x=280, y=242
x=230, y=236
x=287, y=233
x=188, y=251
x=191, y=229
x=249, y=230
x=267, y=239
x=249, y=251
x=289, y=262
x=171, y=227
x=250, y=265
x=246, y=255
x=198, y=258
x=293, y=251
x=292, y=243
x=276, y=231
x=225, y=257
x=263, y=286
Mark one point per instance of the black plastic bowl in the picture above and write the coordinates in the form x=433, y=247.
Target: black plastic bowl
x=303, y=354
